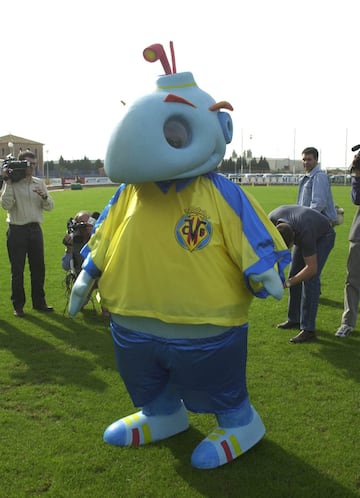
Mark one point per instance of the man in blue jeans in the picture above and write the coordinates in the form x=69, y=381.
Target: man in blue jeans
x=314, y=187
x=313, y=237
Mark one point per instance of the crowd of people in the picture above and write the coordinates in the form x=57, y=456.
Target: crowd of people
x=307, y=228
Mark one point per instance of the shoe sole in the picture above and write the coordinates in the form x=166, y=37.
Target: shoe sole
x=303, y=336
x=288, y=327
x=301, y=341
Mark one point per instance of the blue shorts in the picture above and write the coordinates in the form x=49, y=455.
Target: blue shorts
x=208, y=374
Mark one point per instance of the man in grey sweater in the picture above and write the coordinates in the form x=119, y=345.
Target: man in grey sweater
x=352, y=283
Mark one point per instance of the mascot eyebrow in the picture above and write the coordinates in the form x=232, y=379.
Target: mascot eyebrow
x=176, y=98
x=221, y=105
x=215, y=107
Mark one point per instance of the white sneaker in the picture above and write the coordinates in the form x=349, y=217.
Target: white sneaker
x=344, y=331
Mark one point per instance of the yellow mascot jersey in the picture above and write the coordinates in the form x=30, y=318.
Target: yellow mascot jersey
x=182, y=251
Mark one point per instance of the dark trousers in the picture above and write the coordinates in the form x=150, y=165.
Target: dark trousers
x=26, y=240
x=304, y=298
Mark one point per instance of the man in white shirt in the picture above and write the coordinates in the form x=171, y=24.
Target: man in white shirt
x=25, y=199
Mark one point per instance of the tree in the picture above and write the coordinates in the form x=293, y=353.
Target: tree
x=226, y=166
x=254, y=165
x=263, y=165
x=98, y=165
x=61, y=167
x=50, y=167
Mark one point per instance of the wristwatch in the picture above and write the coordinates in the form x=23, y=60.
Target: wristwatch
x=287, y=284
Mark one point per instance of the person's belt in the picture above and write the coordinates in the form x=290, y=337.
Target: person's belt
x=29, y=225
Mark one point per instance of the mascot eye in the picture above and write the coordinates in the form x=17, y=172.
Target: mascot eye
x=176, y=133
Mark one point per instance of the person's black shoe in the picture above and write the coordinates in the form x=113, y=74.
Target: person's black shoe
x=19, y=313
x=288, y=325
x=44, y=307
x=304, y=336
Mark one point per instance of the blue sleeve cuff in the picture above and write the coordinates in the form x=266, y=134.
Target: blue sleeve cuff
x=281, y=259
x=90, y=268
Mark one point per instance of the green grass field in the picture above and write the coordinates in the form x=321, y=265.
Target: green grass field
x=59, y=390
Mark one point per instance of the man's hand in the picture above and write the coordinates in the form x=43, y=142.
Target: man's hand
x=5, y=175
x=42, y=194
x=67, y=241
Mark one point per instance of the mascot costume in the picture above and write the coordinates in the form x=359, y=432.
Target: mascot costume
x=178, y=254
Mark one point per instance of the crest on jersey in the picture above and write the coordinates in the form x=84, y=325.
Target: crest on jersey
x=193, y=230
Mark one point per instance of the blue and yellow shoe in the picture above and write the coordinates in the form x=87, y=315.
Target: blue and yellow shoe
x=224, y=445
x=138, y=429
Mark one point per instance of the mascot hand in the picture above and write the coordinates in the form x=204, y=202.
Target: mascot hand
x=271, y=281
x=80, y=292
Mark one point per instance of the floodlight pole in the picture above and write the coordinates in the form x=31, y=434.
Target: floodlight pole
x=47, y=166
x=346, y=146
x=294, y=148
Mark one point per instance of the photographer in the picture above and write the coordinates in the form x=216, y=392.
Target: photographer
x=25, y=197
x=352, y=283
x=78, y=233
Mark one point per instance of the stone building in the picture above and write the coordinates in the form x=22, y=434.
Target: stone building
x=11, y=144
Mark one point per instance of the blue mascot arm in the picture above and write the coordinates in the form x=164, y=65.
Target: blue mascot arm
x=271, y=281
x=80, y=291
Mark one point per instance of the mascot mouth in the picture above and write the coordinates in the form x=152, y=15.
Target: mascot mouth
x=205, y=167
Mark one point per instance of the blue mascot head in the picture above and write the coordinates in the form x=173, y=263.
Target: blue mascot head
x=178, y=131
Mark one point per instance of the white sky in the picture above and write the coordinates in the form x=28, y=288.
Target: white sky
x=284, y=65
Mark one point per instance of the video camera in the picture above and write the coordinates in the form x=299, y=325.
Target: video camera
x=355, y=165
x=74, y=229
x=14, y=170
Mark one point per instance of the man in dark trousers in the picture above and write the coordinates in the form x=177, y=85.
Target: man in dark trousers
x=25, y=198
x=313, y=238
